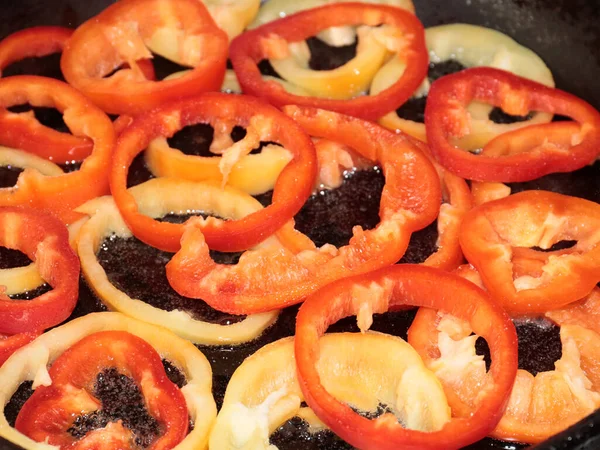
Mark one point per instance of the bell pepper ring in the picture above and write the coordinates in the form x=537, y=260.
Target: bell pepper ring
x=539, y=406
x=34, y=42
x=62, y=193
x=48, y=414
x=262, y=122
x=36, y=360
x=490, y=235
x=23, y=130
x=180, y=30
x=271, y=278
x=519, y=155
x=46, y=242
x=263, y=392
x=10, y=344
x=404, y=33
x=334, y=36
x=391, y=288
x=471, y=46
x=156, y=198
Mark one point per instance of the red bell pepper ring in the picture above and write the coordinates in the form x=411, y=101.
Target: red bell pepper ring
x=122, y=34
x=271, y=278
x=395, y=287
x=48, y=414
x=34, y=42
x=23, y=131
x=492, y=241
x=61, y=194
x=46, y=241
x=10, y=344
x=539, y=406
x=293, y=187
x=248, y=49
x=520, y=155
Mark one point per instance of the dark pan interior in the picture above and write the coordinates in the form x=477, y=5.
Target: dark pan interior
x=565, y=33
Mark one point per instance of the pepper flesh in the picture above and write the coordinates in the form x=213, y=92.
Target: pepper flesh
x=45, y=241
x=292, y=188
x=48, y=414
x=392, y=288
x=31, y=364
x=180, y=30
x=519, y=155
x=539, y=406
x=494, y=233
x=23, y=131
x=271, y=278
x=157, y=198
x=61, y=194
x=471, y=46
x=249, y=49
x=364, y=370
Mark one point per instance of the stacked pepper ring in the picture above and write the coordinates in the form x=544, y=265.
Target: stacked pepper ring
x=181, y=30
x=262, y=121
x=518, y=155
x=271, y=278
x=402, y=31
x=378, y=292
x=46, y=242
x=135, y=349
x=60, y=194
x=156, y=198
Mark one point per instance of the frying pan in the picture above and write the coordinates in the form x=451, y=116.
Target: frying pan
x=565, y=33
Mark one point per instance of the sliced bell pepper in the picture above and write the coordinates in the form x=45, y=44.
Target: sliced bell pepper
x=23, y=131
x=34, y=42
x=262, y=122
x=272, y=277
x=364, y=370
x=404, y=34
x=539, y=406
x=471, y=46
x=180, y=30
x=494, y=233
x=37, y=360
x=48, y=414
x=46, y=242
x=519, y=155
x=10, y=344
x=62, y=193
x=391, y=288
x=157, y=198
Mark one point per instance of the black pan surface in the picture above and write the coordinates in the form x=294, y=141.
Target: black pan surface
x=565, y=33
